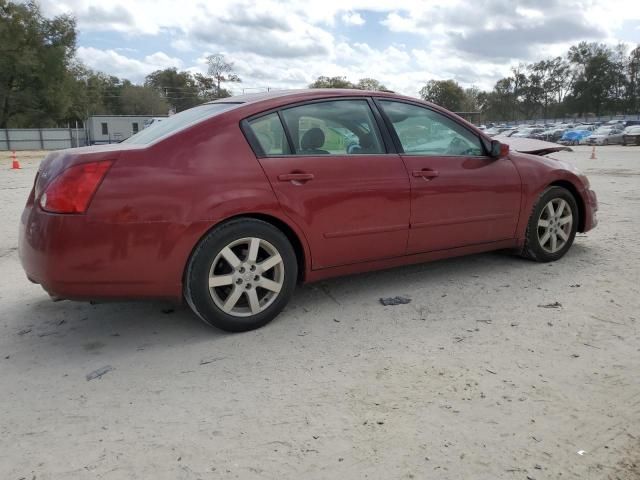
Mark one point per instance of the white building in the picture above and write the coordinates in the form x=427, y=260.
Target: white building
x=114, y=128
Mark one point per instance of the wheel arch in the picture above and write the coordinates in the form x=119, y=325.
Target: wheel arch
x=295, y=237
x=579, y=200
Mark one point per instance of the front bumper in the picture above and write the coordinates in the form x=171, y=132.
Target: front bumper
x=591, y=210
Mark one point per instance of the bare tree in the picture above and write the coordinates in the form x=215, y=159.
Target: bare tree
x=221, y=70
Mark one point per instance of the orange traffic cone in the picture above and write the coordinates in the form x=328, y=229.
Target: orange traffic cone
x=593, y=153
x=15, y=164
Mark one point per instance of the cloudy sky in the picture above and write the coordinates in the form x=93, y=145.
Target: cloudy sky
x=288, y=43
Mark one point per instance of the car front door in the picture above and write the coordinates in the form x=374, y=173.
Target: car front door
x=459, y=195
x=334, y=179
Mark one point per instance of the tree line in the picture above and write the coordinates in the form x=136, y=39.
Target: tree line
x=591, y=79
x=43, y=84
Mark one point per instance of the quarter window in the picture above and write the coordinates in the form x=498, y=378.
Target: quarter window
x=345, y=127
x=422, y=131
x=270, y=134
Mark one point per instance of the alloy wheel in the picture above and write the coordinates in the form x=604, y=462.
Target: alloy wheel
x=246, y=277
x=554, y=225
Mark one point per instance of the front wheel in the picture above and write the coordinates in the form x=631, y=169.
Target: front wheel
x=241, y=275
x=552, y=226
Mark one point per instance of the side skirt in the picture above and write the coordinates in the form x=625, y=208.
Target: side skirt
x=321, y=274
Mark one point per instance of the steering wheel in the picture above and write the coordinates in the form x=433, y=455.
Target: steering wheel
x=457, y=147
x=353, y=148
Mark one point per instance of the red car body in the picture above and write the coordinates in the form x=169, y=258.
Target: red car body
x=375, y=211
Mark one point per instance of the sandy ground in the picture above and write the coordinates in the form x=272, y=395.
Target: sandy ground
x=471, y=380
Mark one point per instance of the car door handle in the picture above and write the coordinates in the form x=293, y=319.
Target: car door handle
x=426, y=173
x=296, y=177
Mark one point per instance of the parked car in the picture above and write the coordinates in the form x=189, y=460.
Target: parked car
x=631, y=135
x=231, y=203
x=605, y=136
x=574, y=137
x=528, y=132
x=551, y=135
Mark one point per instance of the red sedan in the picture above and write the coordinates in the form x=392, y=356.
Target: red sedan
x=230, y=204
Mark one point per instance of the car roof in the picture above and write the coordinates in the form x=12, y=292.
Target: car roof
x=303, y=94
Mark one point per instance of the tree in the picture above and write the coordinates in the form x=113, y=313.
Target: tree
x=140, y=100
x=221, y=71
x=472, y=101
x=331, y=82
x=633, y=74
x=446, y=93
x=35, y=53
x=370, y=84
x=596, y=75
x=207, y=89
x=178, y=88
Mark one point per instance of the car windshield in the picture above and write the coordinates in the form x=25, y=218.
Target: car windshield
x=178, y=122
x=603, y=130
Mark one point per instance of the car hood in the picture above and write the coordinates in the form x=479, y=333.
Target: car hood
x=531, y=145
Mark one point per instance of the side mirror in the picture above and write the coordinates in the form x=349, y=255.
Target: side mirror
x=499, y=150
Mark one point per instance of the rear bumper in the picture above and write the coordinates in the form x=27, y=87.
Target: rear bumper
x=74, y=258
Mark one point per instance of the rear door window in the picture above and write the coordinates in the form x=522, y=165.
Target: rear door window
x=270, y=135
x=344, y=127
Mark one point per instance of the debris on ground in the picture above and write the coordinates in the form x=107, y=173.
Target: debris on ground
x=168, y=310
x=394, y=300
x=551, y=305
x=207, y=361
x=99, y=372
x=24, y=331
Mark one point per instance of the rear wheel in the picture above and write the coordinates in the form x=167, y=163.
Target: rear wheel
x=241, y=275
x=552, y=226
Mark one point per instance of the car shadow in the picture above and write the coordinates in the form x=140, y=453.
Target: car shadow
x=78, y=331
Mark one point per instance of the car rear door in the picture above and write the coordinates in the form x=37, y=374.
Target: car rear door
x=460, y=196
x=333, y=177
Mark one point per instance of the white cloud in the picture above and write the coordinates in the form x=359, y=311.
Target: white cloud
x=288, y=43
x=115, y=63
x=353, y=18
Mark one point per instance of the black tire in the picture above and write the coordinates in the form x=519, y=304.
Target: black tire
x=196, y=286
x=532, y=249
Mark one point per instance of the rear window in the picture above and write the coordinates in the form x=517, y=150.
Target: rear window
x=178, y=122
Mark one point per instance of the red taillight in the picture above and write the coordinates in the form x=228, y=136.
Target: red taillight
x=73, y=189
